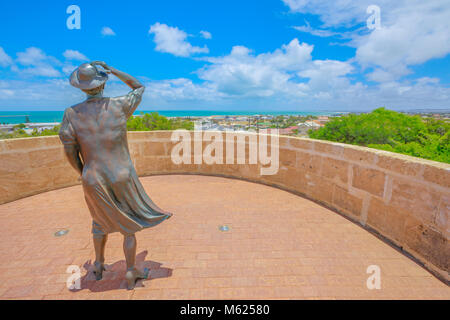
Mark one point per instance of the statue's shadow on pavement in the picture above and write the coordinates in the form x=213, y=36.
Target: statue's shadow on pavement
x=114, y=275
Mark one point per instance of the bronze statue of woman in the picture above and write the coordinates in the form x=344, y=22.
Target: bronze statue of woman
x=94, y=134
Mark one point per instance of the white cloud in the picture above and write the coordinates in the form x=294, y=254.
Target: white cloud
x=68, y=68
x=242, y=74
x=48, y=93
x=327, y=76
x=315, y=32
x=74, y=55
x=181, y=89
x=38, y=63
x=412, y=35
x=285, y=78
x=173, y=40
x=427, y=80
x=412, y=31
x=341, y=12
x=44, y=71
x=7, y=93
x=5, y=60
x=206, y=34
x=289, y=77
x=394, y=73
x=31, y=56
x=107, y=31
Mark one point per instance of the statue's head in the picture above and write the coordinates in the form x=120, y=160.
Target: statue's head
x=94, y=91
x=89, y=79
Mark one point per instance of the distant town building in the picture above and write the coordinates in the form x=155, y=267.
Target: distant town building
x=284, y=131
x=310, y=124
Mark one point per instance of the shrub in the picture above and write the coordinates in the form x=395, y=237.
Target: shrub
x=391, y=131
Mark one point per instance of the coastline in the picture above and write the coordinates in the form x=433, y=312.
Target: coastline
x=44, y=117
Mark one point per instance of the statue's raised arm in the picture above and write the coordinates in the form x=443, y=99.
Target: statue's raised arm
x=131, y=81
x=133, y=98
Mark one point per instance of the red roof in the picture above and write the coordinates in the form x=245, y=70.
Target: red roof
x=287, y=130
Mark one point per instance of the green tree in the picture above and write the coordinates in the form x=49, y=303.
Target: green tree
x=154, y=121
x=46, y=132
x=391, y=131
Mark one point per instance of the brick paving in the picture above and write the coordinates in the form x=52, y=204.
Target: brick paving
x=279, y=246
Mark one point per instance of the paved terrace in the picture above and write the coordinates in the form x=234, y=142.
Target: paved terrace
x=279, y=246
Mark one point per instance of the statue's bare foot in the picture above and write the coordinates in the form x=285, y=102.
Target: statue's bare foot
x=98, y=270
x=133, y=275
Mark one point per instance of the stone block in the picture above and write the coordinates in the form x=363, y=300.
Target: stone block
x=288, y=158
x=9, y=189
x=154, y=164
x=153, y=148
x=328, y=148
x=418, y=199
x=28, y=181
x=370, y=180
x=363, y=156
x=319, y=188
x=400, y=165
x=428, y=242
x=309, y=163
x=442, y=220
x=251, y=172
x=49, y=157
x=388, y=220
x=301, y=143
x=135, y=150
x=336, y=170
x=149, y=135
x=52, y=141
x=437, y=175
x=64, y=176
x=13, y=162
x=347, y=202
x=283, y=142
x=24, y=144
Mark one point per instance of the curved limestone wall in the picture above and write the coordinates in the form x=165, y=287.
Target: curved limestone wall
x=406, y=200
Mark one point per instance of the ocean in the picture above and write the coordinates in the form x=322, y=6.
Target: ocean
x=15, y=117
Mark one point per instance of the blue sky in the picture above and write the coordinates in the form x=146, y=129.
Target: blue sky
x=280, y=55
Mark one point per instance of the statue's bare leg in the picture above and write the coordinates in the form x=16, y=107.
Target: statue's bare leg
x=99, y=246
x=129, y=248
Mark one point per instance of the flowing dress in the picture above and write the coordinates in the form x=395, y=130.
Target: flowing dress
x=116, y=199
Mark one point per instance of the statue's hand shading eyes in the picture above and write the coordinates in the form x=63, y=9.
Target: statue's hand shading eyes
x=102, y=64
